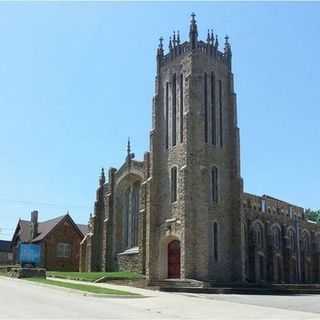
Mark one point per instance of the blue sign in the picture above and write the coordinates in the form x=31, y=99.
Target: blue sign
x=30, y=254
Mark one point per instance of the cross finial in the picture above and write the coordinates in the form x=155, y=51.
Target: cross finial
x=193, y=34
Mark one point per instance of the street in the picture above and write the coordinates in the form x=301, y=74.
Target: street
x=24, y=300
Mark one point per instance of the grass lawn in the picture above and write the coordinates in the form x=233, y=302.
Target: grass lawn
x=82, y=287
x=93, y=276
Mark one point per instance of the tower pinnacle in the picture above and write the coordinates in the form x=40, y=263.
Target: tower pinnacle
x=102, y=179
x=193, y=34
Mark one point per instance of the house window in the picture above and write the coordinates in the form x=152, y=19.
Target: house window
x=63, y=250
x=214, y=184
x=173, y=184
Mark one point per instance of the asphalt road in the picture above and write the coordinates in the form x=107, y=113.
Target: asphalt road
x=24, y=300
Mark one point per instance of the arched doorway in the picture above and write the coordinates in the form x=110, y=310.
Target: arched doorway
x=174, y=259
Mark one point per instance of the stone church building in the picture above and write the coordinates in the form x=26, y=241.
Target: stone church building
x=181, y=212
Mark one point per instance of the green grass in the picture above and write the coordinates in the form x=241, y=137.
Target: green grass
x=82, y=287
x=93, y=276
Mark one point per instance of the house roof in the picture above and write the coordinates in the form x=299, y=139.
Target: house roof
x=44, y=228
x=5, y=246
x=83, y=228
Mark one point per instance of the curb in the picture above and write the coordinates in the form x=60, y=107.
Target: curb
x=83, y=293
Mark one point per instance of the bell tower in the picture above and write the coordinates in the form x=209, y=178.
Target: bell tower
x=195, y=184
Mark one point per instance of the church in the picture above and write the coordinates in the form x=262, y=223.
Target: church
x=181, y=212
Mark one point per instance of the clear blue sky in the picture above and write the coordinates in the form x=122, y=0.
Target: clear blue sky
x=77, y=79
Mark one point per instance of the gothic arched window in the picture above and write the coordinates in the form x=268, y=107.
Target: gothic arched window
x=126, y=217
x=131, y=215
x=258, y=236
x=135, y=213
x=291, y=240
x=305, y=243
x=214, y=184
x=276, y=238
x=173, y=184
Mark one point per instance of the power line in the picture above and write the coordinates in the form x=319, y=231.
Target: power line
x=46, y=204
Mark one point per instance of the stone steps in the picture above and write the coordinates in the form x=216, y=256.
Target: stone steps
x=244, y=290
x=179, y=283
x=195, y=286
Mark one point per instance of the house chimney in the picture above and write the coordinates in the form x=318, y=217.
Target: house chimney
x=34, y=224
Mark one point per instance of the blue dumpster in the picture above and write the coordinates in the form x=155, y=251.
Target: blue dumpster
x=30, y=255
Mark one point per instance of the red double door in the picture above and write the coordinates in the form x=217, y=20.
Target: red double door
x=174, y=259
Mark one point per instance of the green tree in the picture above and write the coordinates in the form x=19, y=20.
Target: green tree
x=313, y=215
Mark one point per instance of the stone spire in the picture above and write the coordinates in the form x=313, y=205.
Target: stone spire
x=130, y=155
x=102, y=179
x=212, y=37
x=193, y=34
x=170, y=44
x=160, y=48
x=216, y=44
x=128, y=147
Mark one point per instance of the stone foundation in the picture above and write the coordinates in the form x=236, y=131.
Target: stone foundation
x=130, y=260
x=27, y=273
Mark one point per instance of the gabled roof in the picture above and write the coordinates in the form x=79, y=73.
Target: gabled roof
x=44, y=228
x=5, y=246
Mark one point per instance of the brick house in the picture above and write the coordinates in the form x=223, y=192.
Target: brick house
x=59, y=239
x=6, y=256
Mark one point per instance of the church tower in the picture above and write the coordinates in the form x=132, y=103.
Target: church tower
x=193, y=208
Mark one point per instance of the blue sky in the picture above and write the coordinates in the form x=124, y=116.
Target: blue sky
x=77, y=79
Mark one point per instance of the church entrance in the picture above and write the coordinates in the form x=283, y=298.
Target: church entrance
x=174, y=259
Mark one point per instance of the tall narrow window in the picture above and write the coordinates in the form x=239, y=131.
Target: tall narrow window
x=215, y=241
x=181, y=108
x=205, y=108
x=126, y=218
x=173, y=184
x=214, y=184
x=174, y=110
x=167, y=114
x=213, y=110
x=220, y=113
x=135, y=214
